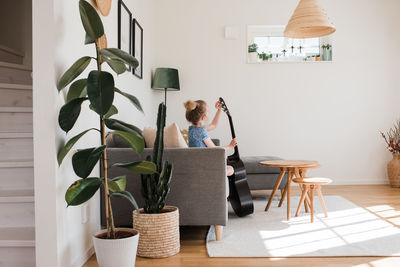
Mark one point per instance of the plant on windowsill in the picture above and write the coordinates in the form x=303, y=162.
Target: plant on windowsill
x=157, y=223
x=253, y=55
x=99, y=89
x=392, y=139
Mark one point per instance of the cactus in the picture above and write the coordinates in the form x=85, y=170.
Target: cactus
x=155, y=187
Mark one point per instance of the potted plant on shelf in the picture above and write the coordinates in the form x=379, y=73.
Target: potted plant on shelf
x=253, y=55
x=113, y=246
x=392, y=139
x=157, y=223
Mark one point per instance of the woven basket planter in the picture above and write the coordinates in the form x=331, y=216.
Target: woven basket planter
x=159, y=233
x=393, y=170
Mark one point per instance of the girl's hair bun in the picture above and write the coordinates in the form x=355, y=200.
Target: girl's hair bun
x=190, y=105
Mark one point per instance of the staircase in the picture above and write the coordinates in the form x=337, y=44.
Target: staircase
x=17, y=218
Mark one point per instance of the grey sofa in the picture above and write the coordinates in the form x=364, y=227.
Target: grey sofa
x=198, y=187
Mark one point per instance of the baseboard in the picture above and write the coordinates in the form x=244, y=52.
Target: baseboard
x=84, y=257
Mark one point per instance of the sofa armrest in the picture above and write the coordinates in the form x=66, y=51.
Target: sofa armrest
x=198, y=184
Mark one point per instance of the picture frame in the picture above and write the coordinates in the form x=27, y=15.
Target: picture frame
x=137, y=48
x=124, y=29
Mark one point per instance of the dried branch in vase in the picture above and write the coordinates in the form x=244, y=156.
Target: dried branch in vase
x=392, y=138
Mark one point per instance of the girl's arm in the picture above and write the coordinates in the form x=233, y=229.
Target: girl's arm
x=210, y=143
x=214, y=122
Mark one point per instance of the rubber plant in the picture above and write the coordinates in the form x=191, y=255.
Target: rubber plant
x=99, y=89
x=155, y=186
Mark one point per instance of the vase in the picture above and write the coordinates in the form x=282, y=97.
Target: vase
x=119, y=252
x=253, y=57
x=159, y=232
x=393, y=170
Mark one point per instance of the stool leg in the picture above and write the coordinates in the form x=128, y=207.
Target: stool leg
x=321, y=199
x=305, y=199
x=303, y=196
x=312, y=202
x=283, y=195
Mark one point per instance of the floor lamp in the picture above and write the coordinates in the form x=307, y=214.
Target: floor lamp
x=166, y=79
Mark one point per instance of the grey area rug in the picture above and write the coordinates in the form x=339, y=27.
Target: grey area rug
x=349, y=230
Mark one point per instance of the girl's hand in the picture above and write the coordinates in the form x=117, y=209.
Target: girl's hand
x=218, y=105
x=233, y=143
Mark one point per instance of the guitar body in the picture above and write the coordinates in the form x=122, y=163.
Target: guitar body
x=239, y=191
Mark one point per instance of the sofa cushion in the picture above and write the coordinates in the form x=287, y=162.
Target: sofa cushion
x=252, y=164
x=172, y=136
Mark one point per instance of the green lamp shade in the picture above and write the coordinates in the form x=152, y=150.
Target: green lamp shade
x=166, y=78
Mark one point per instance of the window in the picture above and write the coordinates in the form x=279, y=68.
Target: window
x=273, y=46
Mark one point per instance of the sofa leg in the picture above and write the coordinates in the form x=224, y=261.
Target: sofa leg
x=218, y=232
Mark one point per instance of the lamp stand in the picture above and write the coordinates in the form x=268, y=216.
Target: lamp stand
x=165, y=97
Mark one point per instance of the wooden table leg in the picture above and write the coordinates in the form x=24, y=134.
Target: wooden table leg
x=278, y=182
x=283, y=196
x=312, y=202
x=290, y=175
x=303, y=197
x=321, y=199
x=302, y=173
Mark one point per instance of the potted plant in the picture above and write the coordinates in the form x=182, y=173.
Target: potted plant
x=113, y=246
x=157, y=223
x=392, y=139
x=253, y=55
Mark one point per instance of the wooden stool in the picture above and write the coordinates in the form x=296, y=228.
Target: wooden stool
x=308, y=185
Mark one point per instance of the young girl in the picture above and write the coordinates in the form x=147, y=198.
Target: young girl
x=197, y=114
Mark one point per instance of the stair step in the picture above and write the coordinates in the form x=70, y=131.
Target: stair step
x=15, y=73
x=15, y=97
x=15, y=135
x=17, y=257
x=12, y=122
x=17, y=208
x=16, y=164
x=15, y=109
x=16, y=149
x=16, y=177
x=17, y=237
x=10, y=55
x=16, y=86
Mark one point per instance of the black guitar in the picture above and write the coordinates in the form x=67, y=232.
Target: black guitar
x=239, y=192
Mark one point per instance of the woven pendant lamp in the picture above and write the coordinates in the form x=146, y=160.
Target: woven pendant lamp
x=309, y=20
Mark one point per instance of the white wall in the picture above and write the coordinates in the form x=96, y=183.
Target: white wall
x=330, y=112
x=16, y=27
x=58, y=43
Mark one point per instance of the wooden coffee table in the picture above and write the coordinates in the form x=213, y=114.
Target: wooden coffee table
x=294, y=168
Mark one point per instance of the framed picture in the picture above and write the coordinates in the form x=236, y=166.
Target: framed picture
x=138, y=48
x=124, y=29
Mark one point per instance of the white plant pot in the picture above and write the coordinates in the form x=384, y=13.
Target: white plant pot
x=253, y=57
x=116, y=252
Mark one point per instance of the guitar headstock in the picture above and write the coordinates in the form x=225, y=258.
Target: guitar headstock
x=223, y=106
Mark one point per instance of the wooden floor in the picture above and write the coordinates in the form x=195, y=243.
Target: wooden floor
x=381, y=200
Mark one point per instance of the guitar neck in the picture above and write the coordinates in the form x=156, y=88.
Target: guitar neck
x=236, y=153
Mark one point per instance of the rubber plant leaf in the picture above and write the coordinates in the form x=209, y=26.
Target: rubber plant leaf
x=74, y=71
x=112, y=111
x=69, y=113
x=141, y=167
x=84, y=160
x=77, y=89
x=117, y=184
x=88, y=39
x=127, y=195
x=131, y=98
x=135, y=141
x=116, y=65
x=100, y=89
x=64, y=151
x=115, y=53
x=118, y=125
x=82, y=190
x=90, y=20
